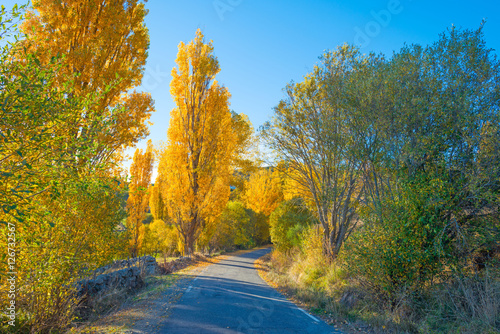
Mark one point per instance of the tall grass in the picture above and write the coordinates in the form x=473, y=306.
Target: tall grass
x=465, y=303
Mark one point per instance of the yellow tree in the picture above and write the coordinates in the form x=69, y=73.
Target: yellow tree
x=263, y=191
x=157, y=202
x=198, y=160
x=138, y=200
x=103, y=45
x=247, y=154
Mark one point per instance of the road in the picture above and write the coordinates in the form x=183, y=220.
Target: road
x=230, y=297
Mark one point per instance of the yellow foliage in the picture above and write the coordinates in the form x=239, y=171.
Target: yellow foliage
x=159, y=237
x=138, y=199
x=105, y=49
x=157, y=202
x=263, y=191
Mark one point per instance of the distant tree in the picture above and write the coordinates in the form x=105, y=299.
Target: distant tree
x=289, y=219
x=157, y=201
x=138, y=200
x=263, y=191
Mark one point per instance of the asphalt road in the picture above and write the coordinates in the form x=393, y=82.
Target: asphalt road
x=230, y=297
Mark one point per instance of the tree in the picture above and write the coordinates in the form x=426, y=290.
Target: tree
x=237, y=226
x=102, y=57
x=58, y=183
x=157, y=202
x=310, y=134
x=263, y=191
x=247, y=160
x=434, y=189
x=198, y=161
x=138, y=200
x=64, y=219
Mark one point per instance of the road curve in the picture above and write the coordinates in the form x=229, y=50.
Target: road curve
x=230, y=297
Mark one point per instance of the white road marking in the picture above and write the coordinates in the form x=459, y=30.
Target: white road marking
x=189, y=289
x=310, y=316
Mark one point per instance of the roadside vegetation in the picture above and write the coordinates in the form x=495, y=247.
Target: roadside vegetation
x=396, y=164
x=68, y=114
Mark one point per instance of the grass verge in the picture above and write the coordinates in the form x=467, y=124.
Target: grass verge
x=462, y=305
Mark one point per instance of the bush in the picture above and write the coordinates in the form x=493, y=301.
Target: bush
x=407, y=245
x=159, y=237
x=286, y=222
x=237, y=226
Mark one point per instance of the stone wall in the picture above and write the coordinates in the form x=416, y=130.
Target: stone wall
x=119, y=275
x=147, y=263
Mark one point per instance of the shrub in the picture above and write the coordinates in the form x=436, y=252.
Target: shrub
x=160, y=237
x=237, y=226
x=286, y=221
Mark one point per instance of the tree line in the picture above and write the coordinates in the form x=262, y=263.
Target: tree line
x=67, y=112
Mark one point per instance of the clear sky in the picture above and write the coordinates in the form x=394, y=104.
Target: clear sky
x=264, y=44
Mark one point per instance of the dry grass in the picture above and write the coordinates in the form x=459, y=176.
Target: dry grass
x=464, y=305
x=459, y=305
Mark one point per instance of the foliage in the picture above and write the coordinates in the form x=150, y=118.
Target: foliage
x=237, y=226
x=102, y=57
x=411, y=244
x=263, y=191
x=309, y=134
x=59, y=185
x=247, y=156
x=10, y=20
x=439, y=204
x=65, y=218
x=138, y=200
x=61, y=242
x=157, y=201
x=289, y=217
x=160, y=237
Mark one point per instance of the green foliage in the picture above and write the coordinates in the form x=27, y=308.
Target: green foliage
x=407, y=148
x=432, y=201
x=149, y=219
x=287, y=221
x=237, y=226
x=9, y=20
x=295, y=234
x=62, y=197
x=410, y=243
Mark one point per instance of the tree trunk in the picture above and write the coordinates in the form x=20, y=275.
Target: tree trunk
x=188, y=244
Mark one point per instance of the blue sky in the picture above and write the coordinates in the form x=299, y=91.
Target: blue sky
x=264, y=44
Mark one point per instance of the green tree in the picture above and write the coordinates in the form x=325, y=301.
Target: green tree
x=310, y=134
x=439, y=205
